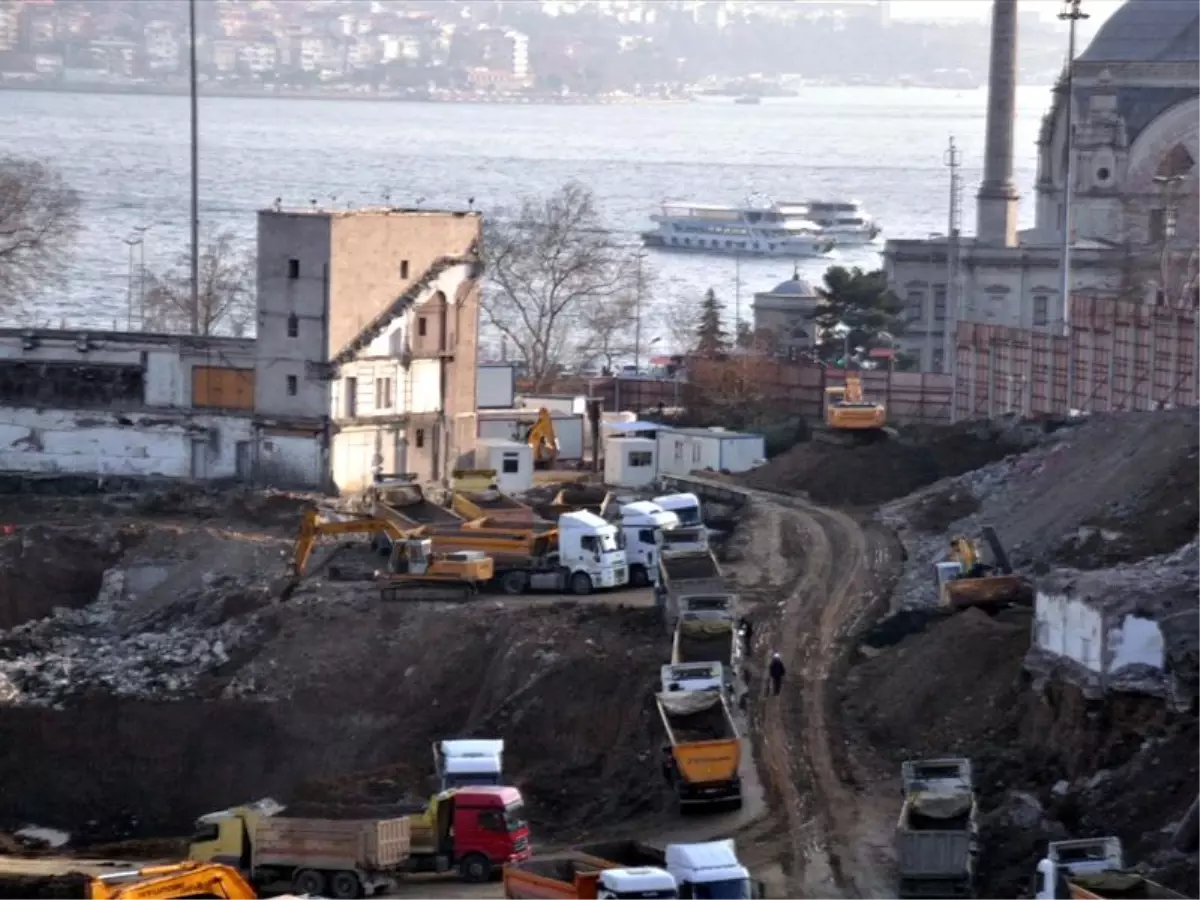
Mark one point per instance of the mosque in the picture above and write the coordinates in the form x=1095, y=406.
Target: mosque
x=1135, y=202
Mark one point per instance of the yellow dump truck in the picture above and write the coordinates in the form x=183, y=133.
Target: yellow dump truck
x=703, y=751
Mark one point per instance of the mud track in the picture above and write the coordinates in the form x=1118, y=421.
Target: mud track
x=833, y=810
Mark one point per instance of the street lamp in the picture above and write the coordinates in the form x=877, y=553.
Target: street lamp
x=141, y=240
x=130, y=242
x=1167, y=186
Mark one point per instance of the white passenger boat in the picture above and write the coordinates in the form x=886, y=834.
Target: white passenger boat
x=759, y=228
x=842, y=220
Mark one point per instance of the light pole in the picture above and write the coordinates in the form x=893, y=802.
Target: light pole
x=141, y=239
x=637, y=316
x=130, y=242
x=1167, y=185
x=1073, y=14
x=195, y=113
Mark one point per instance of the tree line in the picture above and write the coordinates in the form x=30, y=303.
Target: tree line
x=561, y=290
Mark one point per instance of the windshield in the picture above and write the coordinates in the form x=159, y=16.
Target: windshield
x=514, y=816
x=688, y=515
x=608, y=542
x=457, y=779
x=734, y=889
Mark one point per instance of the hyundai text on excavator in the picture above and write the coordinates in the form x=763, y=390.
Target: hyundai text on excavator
x=965, y=580
x=412, y=562
x=850, y=417
x=183, y=879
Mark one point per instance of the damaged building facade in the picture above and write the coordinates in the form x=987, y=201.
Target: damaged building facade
x=363, y=362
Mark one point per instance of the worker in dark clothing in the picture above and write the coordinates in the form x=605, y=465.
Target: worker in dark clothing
x=747, y=635
x=776, y=670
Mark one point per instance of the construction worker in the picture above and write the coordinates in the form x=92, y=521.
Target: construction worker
x=747, y=631
x=776, y=670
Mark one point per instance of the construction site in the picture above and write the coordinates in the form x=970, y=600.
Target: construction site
x=170, y=651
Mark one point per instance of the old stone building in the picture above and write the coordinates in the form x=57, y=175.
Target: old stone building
x=785, y=315
x=1135, y=96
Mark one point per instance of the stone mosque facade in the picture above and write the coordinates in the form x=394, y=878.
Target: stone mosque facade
x=1136, y=177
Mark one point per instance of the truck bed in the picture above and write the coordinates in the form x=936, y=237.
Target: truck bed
x=626, y=854
x=368, y=845
x=690, y=566
x=709, y=724
x=693, y=645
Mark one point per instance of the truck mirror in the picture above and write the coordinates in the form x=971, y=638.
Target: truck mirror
x=760, y=890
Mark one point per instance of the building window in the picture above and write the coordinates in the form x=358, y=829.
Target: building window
x=383, y=393
x=1041, y=309
x=350, y=401
x=1156, y=226
x=695, y=453
x=293, y=325
x=404, y=268
x=510, y=464
x=293, y=385
x=939, y=360
x=293, y=268
x=939, y=303
x=679, y=450
x=420, y=438
x=422, y=327
x=641, y=459
x=915, y=301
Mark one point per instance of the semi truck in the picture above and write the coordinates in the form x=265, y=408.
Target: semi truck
x=475, y=830
x=1093, y=869
x=708, y=870
x=703, y=751
x=570, y=877
x=937, y=832
x=644, y=527
x=462, y=763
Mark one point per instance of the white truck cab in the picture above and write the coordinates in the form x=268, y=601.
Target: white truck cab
x=1087, y=856
x=642, y=525
x=686, y=506
x=463, y=763
x=692, y=677
x=642, y=882
x=709, y=871
x=589, y=549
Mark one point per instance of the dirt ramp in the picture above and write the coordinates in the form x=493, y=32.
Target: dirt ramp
x=73, y=886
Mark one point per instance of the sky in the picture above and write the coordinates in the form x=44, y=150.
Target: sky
x=1097, y=10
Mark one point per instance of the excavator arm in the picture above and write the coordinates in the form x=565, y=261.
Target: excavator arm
x=187, y=879
x=542, y=438
x=311, y=528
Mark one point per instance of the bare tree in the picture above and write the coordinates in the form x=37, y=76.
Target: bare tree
x=546, y=269
x=39, y=217
x=678, y=321
x=607, y=331
x=226, y=294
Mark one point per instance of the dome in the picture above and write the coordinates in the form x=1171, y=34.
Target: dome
x=1148, y=31
x=796, y=286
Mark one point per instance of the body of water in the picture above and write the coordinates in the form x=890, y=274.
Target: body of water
x=129, y=158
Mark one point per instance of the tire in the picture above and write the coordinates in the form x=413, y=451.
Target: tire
x=309, y=881
x=638, y=576
x=345, y=885
x=581, y=584
x=515, y=583
x=475, y=869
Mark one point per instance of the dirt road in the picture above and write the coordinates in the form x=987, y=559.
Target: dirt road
x=819, y=573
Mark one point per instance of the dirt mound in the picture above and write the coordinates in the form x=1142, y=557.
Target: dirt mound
x=49, y=887
x=875, y=473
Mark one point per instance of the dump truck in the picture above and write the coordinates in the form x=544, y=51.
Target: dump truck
x=692, y=677
x=709, y=869
x=691, y=580
x=703, y=751
x=708, y=636
x=324, y=857
x=185, y=879
x=1093, y=869
x=937, y=833
x=569, y=877
x=476, y=830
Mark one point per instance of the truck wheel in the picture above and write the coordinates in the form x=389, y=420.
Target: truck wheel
x=345, y=885
x=514, y=583
x=475, y=868
x=581, y=584
x=309, y=881
x=638, y=576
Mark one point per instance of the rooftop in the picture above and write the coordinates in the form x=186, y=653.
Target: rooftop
x=713, y=432
x=344, y=213
x=1148, y=31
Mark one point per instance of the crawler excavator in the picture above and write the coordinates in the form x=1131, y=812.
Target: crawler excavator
x=174, y=880
x=850, y=418
x=965, y=580
x=544, y=441
x=412, y=564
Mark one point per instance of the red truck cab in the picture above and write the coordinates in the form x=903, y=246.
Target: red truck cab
x=478, y=830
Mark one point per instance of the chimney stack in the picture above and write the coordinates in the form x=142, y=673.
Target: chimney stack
x=998, y=198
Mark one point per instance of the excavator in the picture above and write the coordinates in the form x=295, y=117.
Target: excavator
x=412, y=563
x=965, y=580
x=850, y=417
x=542, y=438
x=185, y=879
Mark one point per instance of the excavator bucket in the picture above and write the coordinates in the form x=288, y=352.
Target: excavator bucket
x=990, y=591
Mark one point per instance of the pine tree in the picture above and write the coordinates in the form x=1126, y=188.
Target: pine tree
x=711, y=338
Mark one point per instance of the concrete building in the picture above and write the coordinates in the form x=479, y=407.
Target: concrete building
x=1135, y=96
x=364, y=361
x=368, y=326
x=785, y=313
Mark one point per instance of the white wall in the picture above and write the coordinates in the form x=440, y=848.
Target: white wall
x=492, y=454
x=568, y=428
x=353, y=457
x=495, y=387
x=290, y=459
x=619, y=471
x=99, y=442
x=426, y=375
x=1102, y=643
x=739, y=454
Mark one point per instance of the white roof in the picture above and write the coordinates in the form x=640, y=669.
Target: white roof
x=710, y=855
x=469, y=747
x=504, y=443
x=642, y=508
x=631, y=881
x=677, y=501
x=582, y=519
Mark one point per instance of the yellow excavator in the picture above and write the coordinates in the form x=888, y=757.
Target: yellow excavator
x=850, y=417
x=412, y=563
x=185, y=879
x=542, y=438
x=965, y=580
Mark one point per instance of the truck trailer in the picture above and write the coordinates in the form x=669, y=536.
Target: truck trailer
x=937, y=832
x=703, y=751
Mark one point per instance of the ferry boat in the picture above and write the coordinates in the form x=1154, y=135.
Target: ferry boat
x=759, y=228
x=844, y=221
